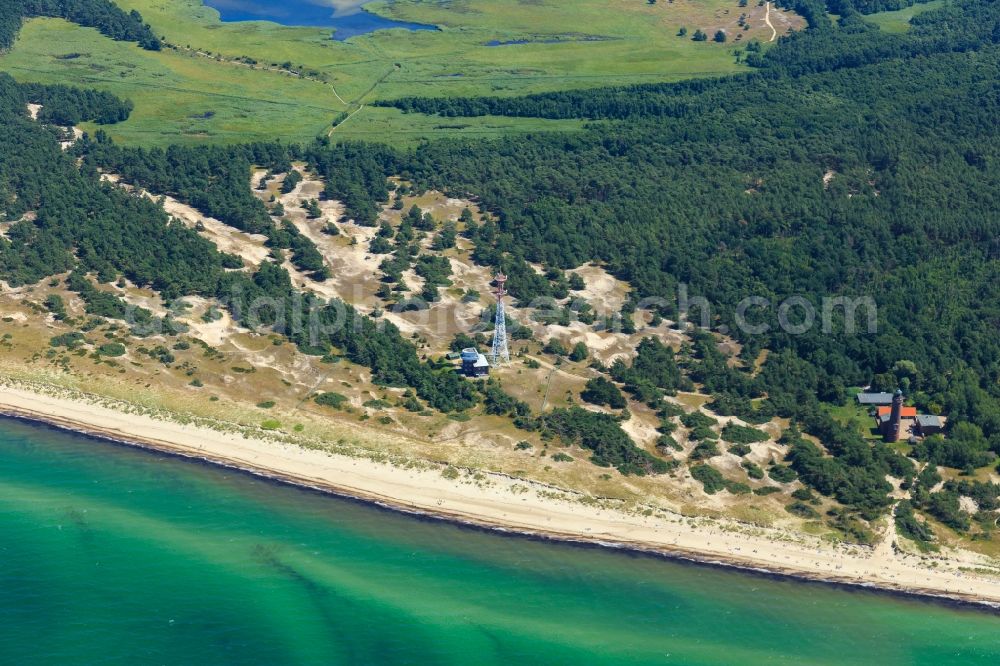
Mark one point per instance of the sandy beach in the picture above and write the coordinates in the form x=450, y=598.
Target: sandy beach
x=517, y=505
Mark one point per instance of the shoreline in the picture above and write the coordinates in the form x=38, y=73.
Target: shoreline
x=508, y=509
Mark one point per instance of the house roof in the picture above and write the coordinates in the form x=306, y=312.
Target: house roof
x=905, y=412
x=481, y=362
x=906, y=421
x=929, y=421
x=875, y=398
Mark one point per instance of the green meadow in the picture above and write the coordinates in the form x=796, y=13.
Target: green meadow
x=599, y=42
x=899, y=21
x=176, y=97
x=182, y=98
x=226, y=82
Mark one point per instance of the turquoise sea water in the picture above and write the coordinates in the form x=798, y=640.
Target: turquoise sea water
x=110, y=555
x=346, y=17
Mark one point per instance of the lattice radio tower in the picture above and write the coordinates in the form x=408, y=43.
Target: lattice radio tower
x=500, y=354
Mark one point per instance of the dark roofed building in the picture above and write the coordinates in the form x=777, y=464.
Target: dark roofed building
x=474, y=364
x=875, y=399
x=929, y=424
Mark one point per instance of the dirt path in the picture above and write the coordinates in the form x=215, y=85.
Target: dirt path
x=886, y=547
x=351, y=115
x=767, y=22
x=337, y=95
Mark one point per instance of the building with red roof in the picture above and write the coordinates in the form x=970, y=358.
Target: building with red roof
x=897, y=421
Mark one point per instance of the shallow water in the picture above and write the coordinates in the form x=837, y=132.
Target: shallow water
x=111, y=555
x=346, y=17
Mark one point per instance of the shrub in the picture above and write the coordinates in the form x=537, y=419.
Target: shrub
x=665, y=442
x=112, y=349
x=602, y=434
x=55, y=304
x=802, y=510
x=742, y=435
x=600, y=391
x=555, y=347
x=292, y=179
x=909, y=526
x=666, y=426
x=803, y=494
x=737, y=488
x=965, y=447
x=944, y=505
x=669, y=410
x=782, y=474
x=672, y=464
x=330, y=399
x=579, y=353
x=653, y=372
x=499, y=403
x=702, y=432
x=710, y=478
x=704, y=450
x=69, y=340
x=379, y=245
x=697, y=420
x=851, y=527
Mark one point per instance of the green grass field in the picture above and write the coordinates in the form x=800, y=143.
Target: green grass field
x=181, y=98
x=177, y=98
x=899, y=21
x=850, y=412
x=199, y=91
